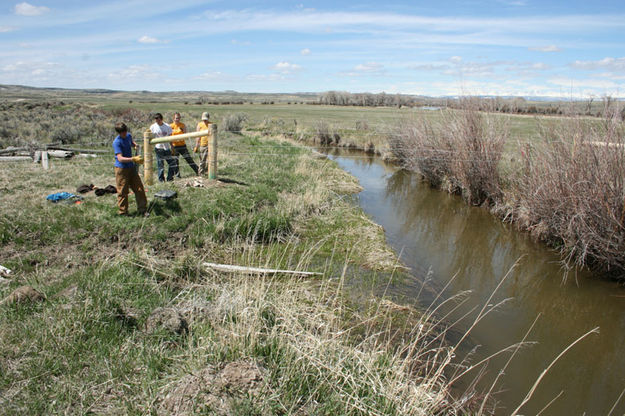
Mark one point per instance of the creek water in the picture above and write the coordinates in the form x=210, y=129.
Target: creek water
x=461, y=248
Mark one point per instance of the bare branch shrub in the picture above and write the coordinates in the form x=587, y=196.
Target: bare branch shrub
x=478, y=139
x=322, y=133
x=462, y=151
x=418, y=146
x=233, y=122
x=572, y=191
x=362, y=125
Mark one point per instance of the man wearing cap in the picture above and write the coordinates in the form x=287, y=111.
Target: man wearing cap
x=201, y=143
x=163, y=150
x=179, y=147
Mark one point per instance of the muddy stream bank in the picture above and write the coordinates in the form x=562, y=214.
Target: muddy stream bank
x=466, y=248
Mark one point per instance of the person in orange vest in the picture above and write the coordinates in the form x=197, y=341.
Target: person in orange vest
x=179, y=147
x=201, y=143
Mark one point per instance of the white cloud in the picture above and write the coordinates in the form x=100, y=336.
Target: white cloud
x=239, y=42
x=549, y=48
x=370, y=67
x=315, y=21
x=455, y=66
x=26, y=9
x=134, y=72
x=610, y=64
x=473, y=69
x=4, y=29
x=612, y=76
x=286, y=68
x=429, y=67
x=513, y=2
x=262, y=77
x=305, y=51
x=590, y=83
x=27, y=72
x=147, y=39
x=214, y=76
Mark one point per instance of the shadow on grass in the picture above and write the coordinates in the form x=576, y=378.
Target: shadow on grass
x=226, y=180
x=164, y=208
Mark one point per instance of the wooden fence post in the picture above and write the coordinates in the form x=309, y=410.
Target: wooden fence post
x=148, y=172
x=212, y=153
x=44, y=160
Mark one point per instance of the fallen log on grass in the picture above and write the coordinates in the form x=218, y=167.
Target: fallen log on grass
x=13, y=150
x=14, y=158
x=75, y=150
x=256, y=270
x=60, y=154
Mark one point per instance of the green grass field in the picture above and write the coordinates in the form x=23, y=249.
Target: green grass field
x=131, y=322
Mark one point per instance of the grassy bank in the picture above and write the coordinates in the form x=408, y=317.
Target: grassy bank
x=124, y=318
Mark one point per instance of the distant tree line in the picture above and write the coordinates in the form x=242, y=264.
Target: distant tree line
x=365, y=99
x=605, y=107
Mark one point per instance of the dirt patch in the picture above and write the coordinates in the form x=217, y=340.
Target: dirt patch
x=213, y=391
x=240, y=377
x=23, y=295
x=166, y=319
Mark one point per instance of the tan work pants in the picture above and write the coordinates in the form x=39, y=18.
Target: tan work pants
x=203, y=169
x=129, y=178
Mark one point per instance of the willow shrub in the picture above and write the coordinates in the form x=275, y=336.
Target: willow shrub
x=572, y=191
x=459, y=151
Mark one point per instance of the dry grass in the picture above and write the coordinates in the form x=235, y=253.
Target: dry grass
x=307, y=348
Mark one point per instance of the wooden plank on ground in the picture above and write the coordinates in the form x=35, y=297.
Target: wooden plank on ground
x=256, y=270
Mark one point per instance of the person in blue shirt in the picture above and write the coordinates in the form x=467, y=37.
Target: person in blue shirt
x=126, y=175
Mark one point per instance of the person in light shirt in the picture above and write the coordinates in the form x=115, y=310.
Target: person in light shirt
x=179, y=147
x=163, y=150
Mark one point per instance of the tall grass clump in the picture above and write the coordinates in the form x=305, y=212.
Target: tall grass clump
x=459, y=152
x=418, y=146
x=322, y=133
x=572, y=191
x=234, y=122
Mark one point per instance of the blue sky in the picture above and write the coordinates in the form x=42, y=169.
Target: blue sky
x=497, y=47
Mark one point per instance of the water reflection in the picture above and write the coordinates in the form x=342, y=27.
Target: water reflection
x=436, y=231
